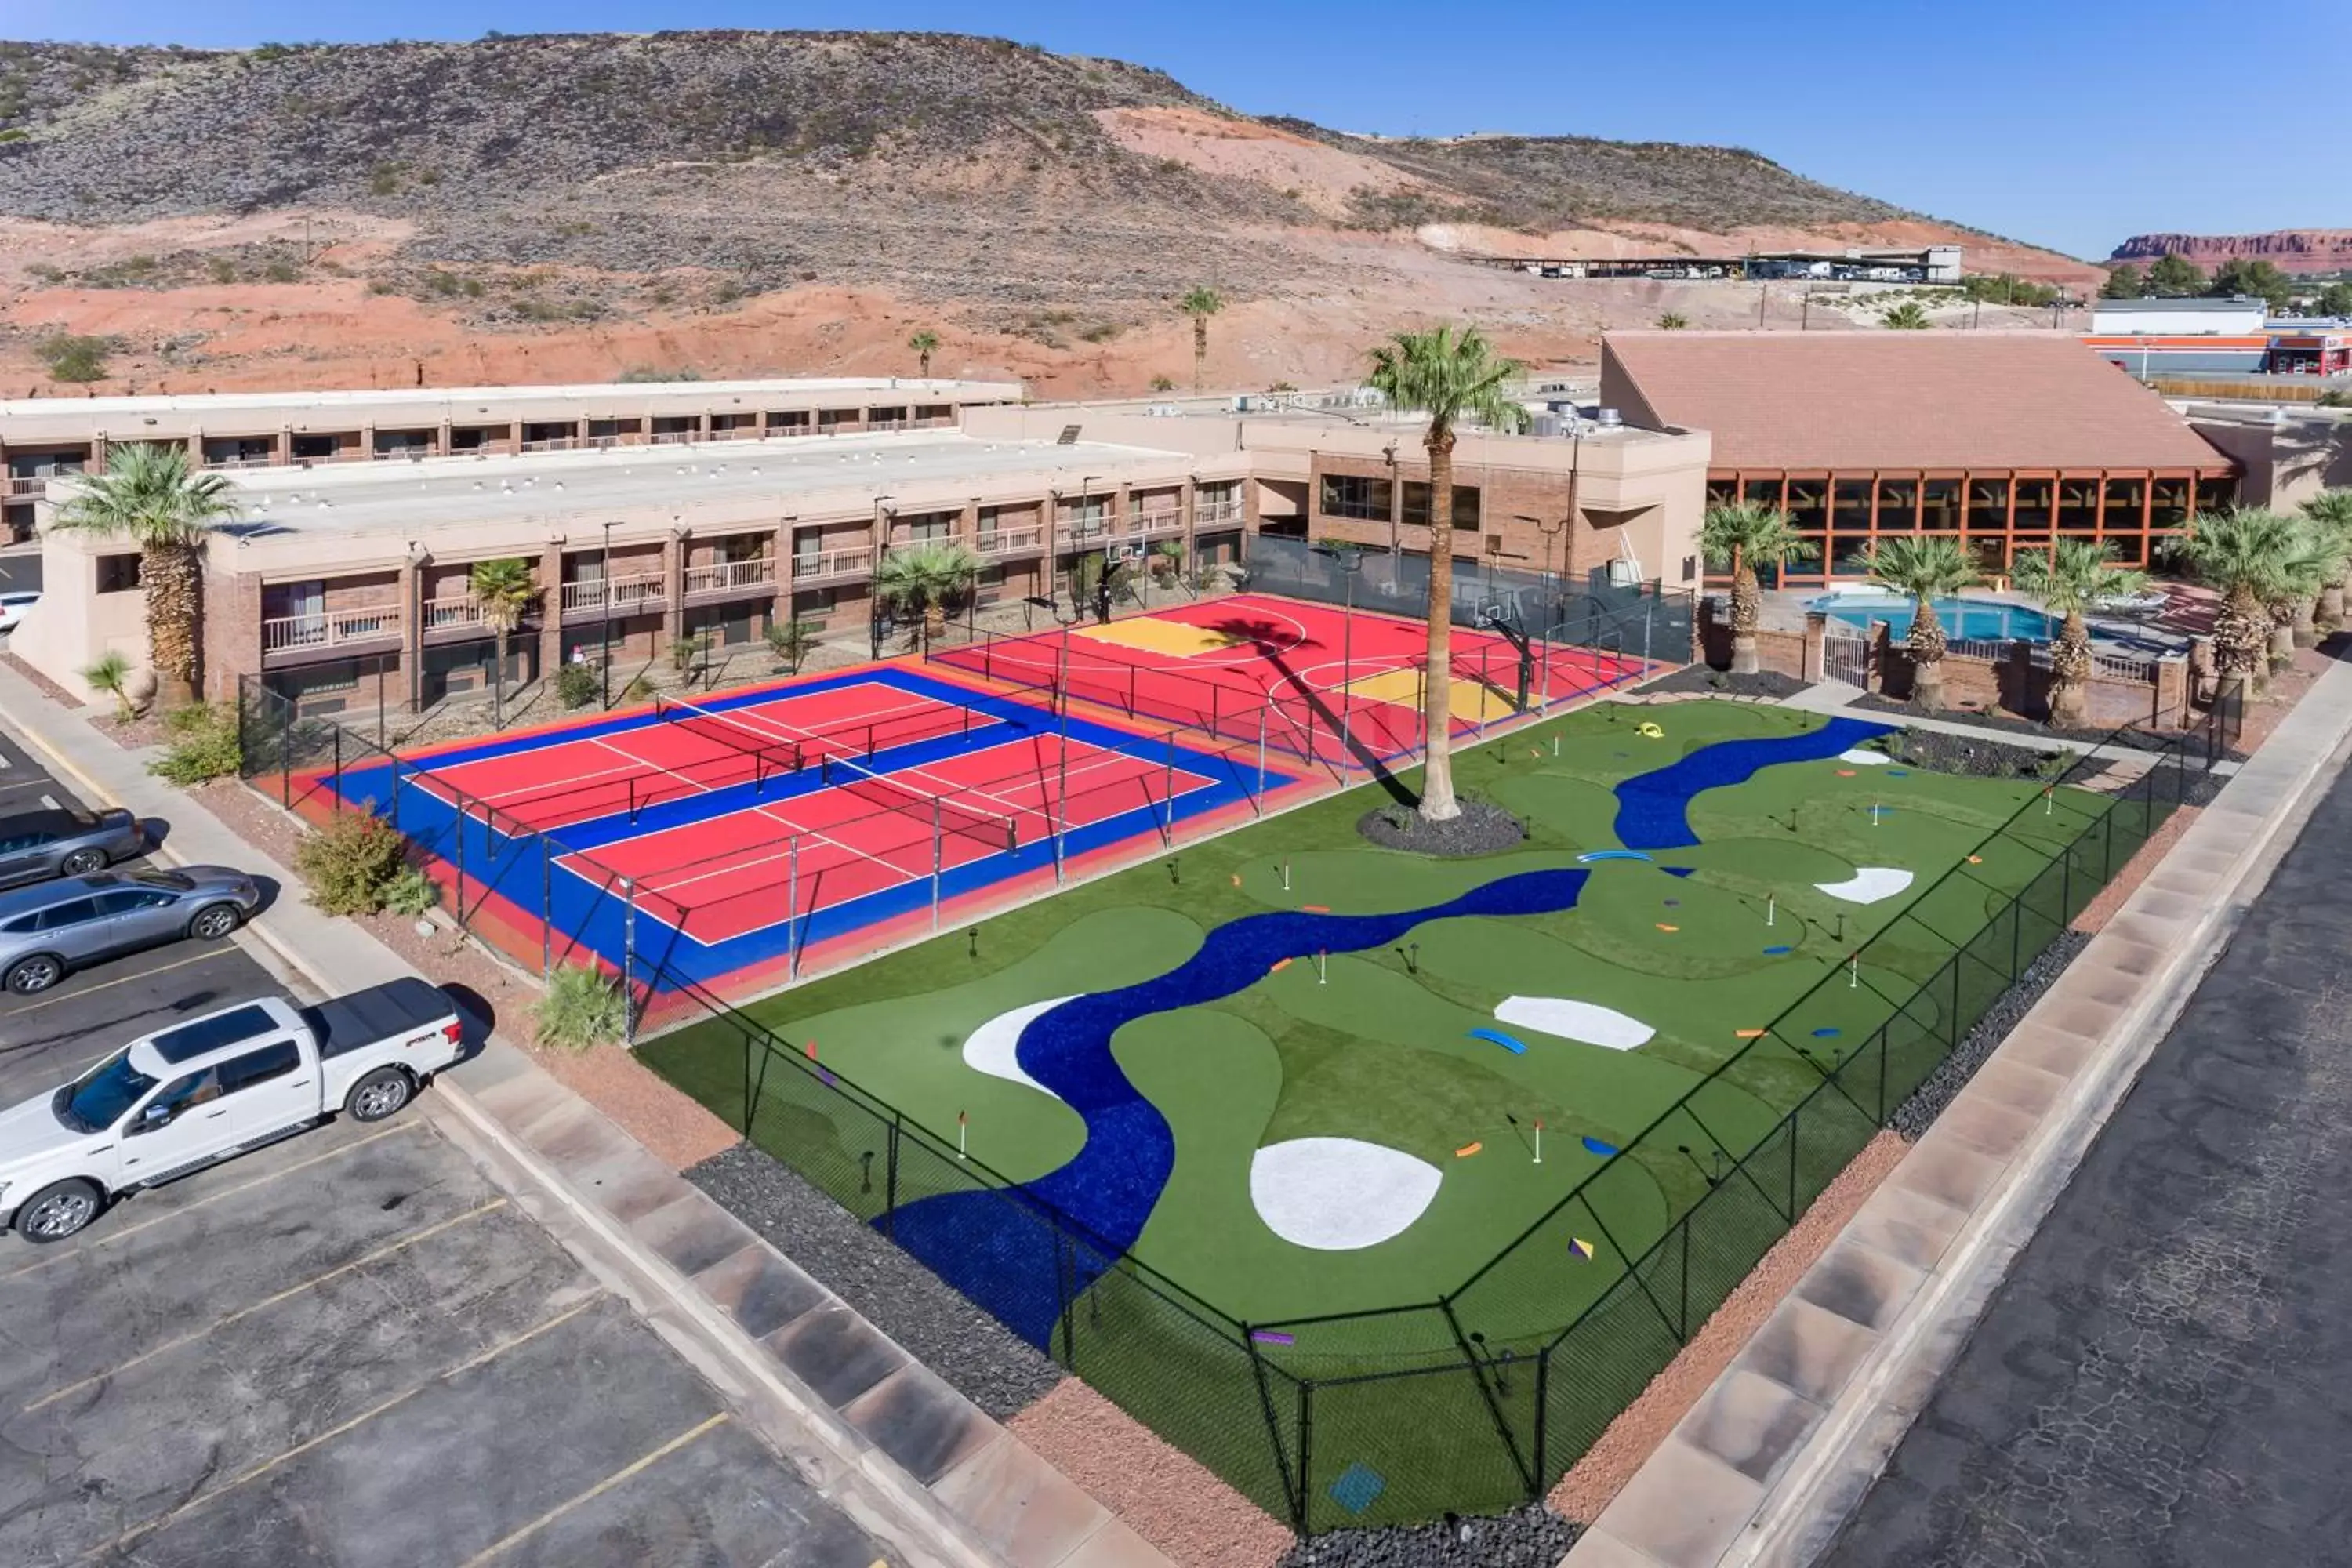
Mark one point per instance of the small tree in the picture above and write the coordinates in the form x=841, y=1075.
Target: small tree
x=1749, y=538
x=2124, y=281
x=791, y=641
x=74, y=358
x=582, y=1008
x=2073, y=575
x=1927, y=568
x=2329, y=514
x=351, y=861
x=925, y=342
x=111, y=673
x=2253, y=557
x=925, y=577
x=1168, y=559
x=2175, y=277
x=1673, y=321
x=504, y=591
x=1910, y=316
x=1201, y=304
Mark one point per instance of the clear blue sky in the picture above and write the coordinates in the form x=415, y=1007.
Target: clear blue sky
x=2066, y=124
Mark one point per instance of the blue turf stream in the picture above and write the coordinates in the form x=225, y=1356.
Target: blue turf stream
x=1004, y=1254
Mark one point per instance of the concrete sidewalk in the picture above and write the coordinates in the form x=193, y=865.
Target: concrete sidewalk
x=1837, y=697
x=889, y=1442
x=1781, y=1448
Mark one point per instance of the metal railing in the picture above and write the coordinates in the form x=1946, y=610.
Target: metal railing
x=1217, y=511
x=615, y=595
x=330, y=628
x=724, y=576
x=1008, y=541
x=819, y=566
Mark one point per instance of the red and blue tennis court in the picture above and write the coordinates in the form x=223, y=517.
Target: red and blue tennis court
x=719, y=841
x=1315, y=681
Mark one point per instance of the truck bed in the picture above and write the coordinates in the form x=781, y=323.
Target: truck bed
x=380, y=1012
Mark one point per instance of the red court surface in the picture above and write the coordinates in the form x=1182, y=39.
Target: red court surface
x=626, y=769
x=1229, y=665
x=725, y=876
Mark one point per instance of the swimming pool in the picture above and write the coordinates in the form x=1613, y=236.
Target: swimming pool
x=1960, y=617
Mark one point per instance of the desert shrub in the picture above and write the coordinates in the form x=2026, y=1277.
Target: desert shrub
x=202, y=744
x=582, y=1008
x=73, y=357
x=576, y=685
x=410, y=892
x=638, y=691
x=352, y=862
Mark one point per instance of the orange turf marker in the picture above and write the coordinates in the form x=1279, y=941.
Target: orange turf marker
x=810, y=1048
x=1314, y=908
x=1845, y=773
x=1237, y=879
x=1279, y=966
x=1751, y=1034
x=1976, y=859
x=1467, y=1150
x=1663, y=926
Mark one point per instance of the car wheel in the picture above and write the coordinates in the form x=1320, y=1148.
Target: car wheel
x=60, y=1210
x=379, y=1094
x=214, y=922
x=37, y=972
x=84, y=863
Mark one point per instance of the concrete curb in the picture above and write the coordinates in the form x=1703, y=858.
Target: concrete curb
x=1767, y=1464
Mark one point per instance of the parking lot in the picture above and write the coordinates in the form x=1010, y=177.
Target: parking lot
x=349, y=1348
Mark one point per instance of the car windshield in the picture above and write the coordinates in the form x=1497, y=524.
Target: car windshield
x=97, y=1099
x=171, y=879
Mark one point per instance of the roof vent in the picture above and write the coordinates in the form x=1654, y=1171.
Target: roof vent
x=1608, y=419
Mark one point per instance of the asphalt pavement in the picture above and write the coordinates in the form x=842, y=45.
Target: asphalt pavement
x=2161, y=1378
x=350, y=1348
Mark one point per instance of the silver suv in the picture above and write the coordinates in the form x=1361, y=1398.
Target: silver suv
x=47, y=930
x=37, y=845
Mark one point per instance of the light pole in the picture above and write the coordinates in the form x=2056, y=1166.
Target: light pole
x=1351, y=561
x=1552, y=617
x=1061, y=737
x=604, y=622
x=884, y=516
x=1396, y=506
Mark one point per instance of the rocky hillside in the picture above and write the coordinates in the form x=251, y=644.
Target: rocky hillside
x=2298, y=250
x=578, y=205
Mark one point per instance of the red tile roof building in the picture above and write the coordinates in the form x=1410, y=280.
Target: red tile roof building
x=2004, y=439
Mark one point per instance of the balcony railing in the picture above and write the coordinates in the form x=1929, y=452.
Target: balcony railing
x=727, y=576
x=1150, y=522
x=672, y=437
x=616, y=596
x=453, y=611
x=31, y=484
x=1006, y=541
x=328, y=628
x=819, y=566
x=1217, y=511
x=260, y=460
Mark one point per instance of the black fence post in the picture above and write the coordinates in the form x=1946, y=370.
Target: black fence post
x=1794, y=1114
x=890, y=1194
x=1543, y=1406
x=1290, y=1496
x=1305, y=1450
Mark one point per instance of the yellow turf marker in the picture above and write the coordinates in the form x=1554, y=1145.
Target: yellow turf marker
x=1279, y=966
x=1751, y=1034
x=1173, y=638
x=1663, y=926
x=1467, y=1150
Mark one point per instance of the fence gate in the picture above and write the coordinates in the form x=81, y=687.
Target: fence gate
x=1845, y=655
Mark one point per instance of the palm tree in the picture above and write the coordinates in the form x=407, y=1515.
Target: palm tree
x=2075, y=574
x=504, y=590
x=150, y=496
x=111, y=673
x=2330, y=515
x=1449, y=376
x=1751, y=537
x=2255, y=557
x=1201, y=304
x=1673, y=321
x=1928, y=567
x=925, y=342
x=925, y=577
x=1910, y=316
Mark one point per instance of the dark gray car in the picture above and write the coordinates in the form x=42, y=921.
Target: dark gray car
x=48, y=930
x=37, y=845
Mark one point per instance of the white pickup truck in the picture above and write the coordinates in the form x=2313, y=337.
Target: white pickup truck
x=214, y=1088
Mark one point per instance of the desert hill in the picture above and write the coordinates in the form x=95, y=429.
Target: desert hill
x=551, y=206
x=2298, y=250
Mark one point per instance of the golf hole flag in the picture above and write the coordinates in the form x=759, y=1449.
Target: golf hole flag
x=1579, y=1249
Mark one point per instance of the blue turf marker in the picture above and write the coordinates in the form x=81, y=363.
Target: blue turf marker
x=1678, y=871
x=1776, y=952
x=1611, y=854
x=1357, y=1487
x=1824, y=1033
x=1595, y=1146
x=1898, y=773
x=1509, y=1044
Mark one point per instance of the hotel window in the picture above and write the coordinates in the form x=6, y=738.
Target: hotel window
x=2216, y=495
x=2078, y=506
x=1762, y=492
x=1898, y=506
x=2170, y=508
x=1989, y=505
x=1807, y=505
x=1357, y=496
x=1939, y=505
x=118, y=573
x=2125, y=498
x=1416, y=505
x=1722, y=492
x=933, y=527
x=2033, y=506
x=1850, y=506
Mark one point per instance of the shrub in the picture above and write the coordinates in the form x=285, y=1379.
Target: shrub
x=111, y=673
x=1162, y=383
x=685, y=652
x=203, y=745
x=638, y=691
x=582, y=1008
x=577, y=685
x=352, y=862
x=410, y=892
x=75, y=358
x=791, y=641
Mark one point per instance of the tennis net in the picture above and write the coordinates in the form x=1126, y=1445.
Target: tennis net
x=769, y=751
x=991, y=832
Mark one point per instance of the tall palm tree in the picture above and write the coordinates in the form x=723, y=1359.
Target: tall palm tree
x=1448, y=376
x=150, y=496
x=1910, y=316
x=2073, y=576
x=504, y=590
x=925, y=577
x=925, y=342
x=1201, y=304
x=2255, y=557
x=2330, y=514
x=1751, y=537
x=1928, y=567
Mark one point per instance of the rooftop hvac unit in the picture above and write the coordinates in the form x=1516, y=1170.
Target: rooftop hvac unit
x=1547, y=424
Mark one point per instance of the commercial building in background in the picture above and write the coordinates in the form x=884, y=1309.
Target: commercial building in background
x=2232, y=337
x=46, y=438
x=2002, y=441
x=343, y=581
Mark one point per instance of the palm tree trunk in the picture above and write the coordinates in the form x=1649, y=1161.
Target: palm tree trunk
x=2331, y=605
x=498, y=684
x=2305, y=629
x=927, y=364
x=1927, y=645
x=2241, y=638
x=1438, y=802
x=171, y=575
x=1746, y=609
x=1200, y=351
x=2070, y=668
x=2282, y=633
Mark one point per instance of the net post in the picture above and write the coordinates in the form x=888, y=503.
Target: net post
x=1264, y=714
x=629, y=961
x=1168, y=792
x=461, y=861
x=794, y=928
x=938, y=856
x=546, y=911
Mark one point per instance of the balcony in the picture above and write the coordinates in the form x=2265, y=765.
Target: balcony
x=261, y=460
x=458, y=612
x=1086, y=535
x=731, y=576
x=832, y=565
x=29, y=484
x=330, y=628
x=1005, y=542
x=616, y=596
x=1147, y=524
x=1209, y=513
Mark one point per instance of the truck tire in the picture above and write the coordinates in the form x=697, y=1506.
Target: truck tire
x=380, y=1094
x=215, y=922
x=84, y=863
x=36, y=972
x=60, y=1210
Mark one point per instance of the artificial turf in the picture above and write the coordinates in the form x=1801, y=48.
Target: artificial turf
x=1377, y=1045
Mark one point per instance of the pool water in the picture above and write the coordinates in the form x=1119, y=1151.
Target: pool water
x=1960, y=617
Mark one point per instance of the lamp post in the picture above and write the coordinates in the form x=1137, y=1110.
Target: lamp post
x=884, y=516
x=1351, y=561
x=604, y=620
x=1396, y=506
x=1062, y=737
